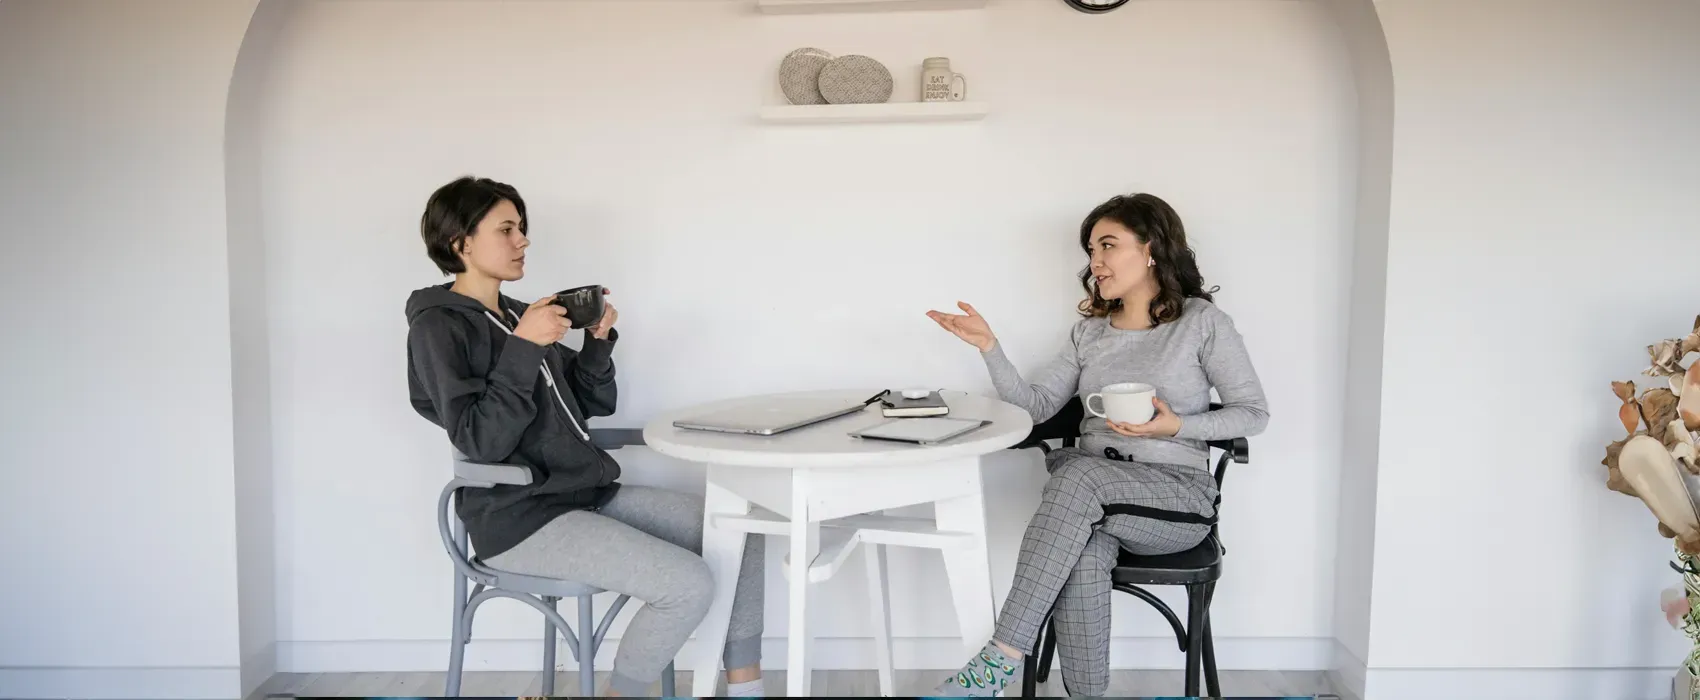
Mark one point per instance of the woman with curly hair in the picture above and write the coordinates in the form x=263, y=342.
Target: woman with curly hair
x=1148, y=319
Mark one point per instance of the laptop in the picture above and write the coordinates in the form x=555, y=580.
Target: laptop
x=770, y=416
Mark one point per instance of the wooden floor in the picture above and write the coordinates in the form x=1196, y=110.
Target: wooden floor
x=1261, y=684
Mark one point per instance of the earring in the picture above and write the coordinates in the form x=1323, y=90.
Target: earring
x=1150, y=262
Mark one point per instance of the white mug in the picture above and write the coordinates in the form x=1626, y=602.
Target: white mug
x=1125, y=403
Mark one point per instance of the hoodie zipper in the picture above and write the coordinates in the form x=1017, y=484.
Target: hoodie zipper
x=549, y=378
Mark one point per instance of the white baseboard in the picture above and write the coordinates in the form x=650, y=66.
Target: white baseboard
x=1519, y=683
x=925, y=653
x=1348, y=673
x=257, y=667
x=1353, y=680
x=138, y=683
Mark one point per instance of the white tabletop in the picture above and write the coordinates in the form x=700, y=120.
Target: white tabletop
x=828, y=444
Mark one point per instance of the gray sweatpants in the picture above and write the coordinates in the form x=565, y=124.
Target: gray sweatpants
x=647, y=543
x=1065, y=558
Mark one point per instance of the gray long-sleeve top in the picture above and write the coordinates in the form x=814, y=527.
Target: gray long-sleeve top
x=1182, y=359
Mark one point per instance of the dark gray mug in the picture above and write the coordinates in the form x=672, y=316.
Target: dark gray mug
x=583, y=304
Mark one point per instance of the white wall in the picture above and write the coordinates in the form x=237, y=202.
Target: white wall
x=250, y=351
x=119, y=544
x=747, y=258
x=1545, y=167
x=1371, y=169
x=1500, y=567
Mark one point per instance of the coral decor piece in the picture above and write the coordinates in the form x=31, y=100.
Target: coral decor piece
x=1660, y=464
x=1689, y=408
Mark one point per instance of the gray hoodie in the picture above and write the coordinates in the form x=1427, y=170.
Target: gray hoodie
x=489, y=391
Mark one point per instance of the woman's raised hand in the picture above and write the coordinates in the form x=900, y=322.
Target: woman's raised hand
x=970, y=327
x=544, y=322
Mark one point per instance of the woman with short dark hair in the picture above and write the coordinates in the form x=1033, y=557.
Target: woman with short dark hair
x=490, y=371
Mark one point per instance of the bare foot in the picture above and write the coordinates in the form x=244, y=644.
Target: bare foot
x=743, y=675
x=1007, y=650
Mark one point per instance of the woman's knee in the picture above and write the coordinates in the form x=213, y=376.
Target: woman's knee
x=1067, y=487
x=1070, y=472
x=700, y=582
x=689, y=588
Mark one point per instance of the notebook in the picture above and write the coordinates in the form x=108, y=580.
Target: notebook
x=921, y=431
x=894, y=405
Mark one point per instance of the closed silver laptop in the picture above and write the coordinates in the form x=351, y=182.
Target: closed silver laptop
x=770, y=416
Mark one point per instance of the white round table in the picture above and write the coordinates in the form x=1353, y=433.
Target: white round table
x=824, y=490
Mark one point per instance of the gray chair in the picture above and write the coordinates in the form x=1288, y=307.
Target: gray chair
x=539, y=593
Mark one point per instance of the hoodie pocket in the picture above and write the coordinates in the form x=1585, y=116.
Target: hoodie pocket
x=571, y=464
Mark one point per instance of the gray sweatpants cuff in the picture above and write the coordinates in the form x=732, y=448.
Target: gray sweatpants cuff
x=743, y=652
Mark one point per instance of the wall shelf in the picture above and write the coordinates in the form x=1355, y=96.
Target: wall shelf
x=801, y=7
x=875, y=113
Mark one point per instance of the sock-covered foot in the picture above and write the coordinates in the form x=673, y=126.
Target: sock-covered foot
x=986, y=675
x=746, y=689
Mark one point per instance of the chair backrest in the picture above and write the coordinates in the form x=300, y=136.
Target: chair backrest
x=453, y=532
x=471, y=474
x=1065, y=427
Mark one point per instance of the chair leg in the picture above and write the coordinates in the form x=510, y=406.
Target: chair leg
x=1048, y=652
x=1198, y=598
x=1212, y=684
x=586, y=648
x=549, y=648
x=667, y=688
x=1030, y=676
x=457, y=639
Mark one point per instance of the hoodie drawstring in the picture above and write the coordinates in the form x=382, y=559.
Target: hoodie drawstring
x=548, y=377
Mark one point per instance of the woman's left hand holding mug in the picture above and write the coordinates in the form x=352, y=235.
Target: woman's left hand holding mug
x=606, y=323
x=1163, y=424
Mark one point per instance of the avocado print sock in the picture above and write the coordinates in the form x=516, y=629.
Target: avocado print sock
x=985, y=676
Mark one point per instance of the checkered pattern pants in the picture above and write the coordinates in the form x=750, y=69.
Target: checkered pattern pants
x=1067, y=554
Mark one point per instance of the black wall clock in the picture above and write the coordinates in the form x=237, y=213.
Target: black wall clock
x=1095, y=7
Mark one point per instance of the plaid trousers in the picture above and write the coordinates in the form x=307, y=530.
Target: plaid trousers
x=1067, y=553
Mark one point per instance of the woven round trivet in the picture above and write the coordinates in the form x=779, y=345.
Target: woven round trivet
x=855, y=80
x=799, y=76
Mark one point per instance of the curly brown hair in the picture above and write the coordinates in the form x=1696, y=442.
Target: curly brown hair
x=1156, y=224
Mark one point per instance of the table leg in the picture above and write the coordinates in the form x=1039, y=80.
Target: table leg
x=805, y=537
x=969, y=568
x=880, y=593
x=723, y=551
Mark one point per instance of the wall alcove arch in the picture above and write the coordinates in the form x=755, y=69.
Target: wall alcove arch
x=624, y=138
